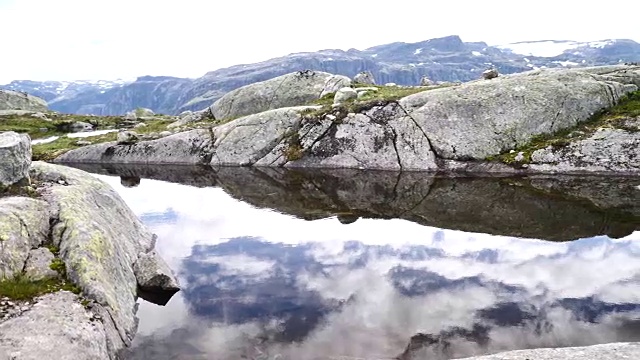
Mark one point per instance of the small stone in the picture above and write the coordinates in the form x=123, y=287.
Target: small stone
x=519, y=157
x=139, y=125
x=165, y=133
x=390, y=84
x=490, y=74
x=425, y=81
x=83, y=142
x=127, y=138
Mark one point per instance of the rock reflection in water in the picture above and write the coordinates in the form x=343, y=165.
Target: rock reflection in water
x=551, y=208
x=435, y=294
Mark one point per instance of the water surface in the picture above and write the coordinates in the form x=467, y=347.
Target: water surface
x=277, y=264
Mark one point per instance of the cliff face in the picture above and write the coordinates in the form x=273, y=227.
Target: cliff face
x=441, y=59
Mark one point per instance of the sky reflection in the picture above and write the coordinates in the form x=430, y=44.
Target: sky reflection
x=260, y=284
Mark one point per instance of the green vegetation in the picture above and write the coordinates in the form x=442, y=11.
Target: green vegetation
x=21, y=288
x=51, y=150
x=18, y=190
x=383, y=96
x=614, y=118
x=58, y=266
x=59, y=123
x=294, y=149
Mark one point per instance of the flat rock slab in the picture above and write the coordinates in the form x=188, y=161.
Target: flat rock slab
x=614, y=351
x=56, y=327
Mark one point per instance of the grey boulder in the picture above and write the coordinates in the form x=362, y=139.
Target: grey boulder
x=293, y=89
x=154, y=275
x=127, y=138
x=345, y=94
x=425, y=81
x=15, y=152
x=364, y=77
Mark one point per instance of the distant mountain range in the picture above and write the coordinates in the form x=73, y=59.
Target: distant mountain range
x=440, y=59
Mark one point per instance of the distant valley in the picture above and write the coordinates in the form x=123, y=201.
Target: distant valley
x=440, y=59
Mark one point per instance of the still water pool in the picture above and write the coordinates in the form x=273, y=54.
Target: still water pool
x=344, y=264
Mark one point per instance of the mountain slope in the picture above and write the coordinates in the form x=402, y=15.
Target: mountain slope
x=440, y=59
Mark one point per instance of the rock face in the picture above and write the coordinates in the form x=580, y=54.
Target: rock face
x=292, y=89
x=443, y=128
x=18, y=214
x=100, y=241
x=12, y=100
x=15, y=152
x=38, y=264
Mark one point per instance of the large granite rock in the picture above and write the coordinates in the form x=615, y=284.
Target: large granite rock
x=56, y=327
x=100, y=241
x=12, y=100
x=379, y=138
x=294, y=89
x=24, y=224
x=15, y=152
x=483, y=118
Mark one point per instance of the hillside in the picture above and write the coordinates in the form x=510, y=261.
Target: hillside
x=440, y=59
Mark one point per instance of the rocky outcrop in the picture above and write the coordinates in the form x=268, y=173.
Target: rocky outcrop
x=452, y=128
x=15, y=152
x=288, y=90
x=99, y=242
x=607, y=150
x=12, y=100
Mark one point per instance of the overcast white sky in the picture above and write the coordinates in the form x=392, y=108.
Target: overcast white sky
x=99, y=39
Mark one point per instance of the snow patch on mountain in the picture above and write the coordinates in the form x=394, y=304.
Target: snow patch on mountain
x=551, y=48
